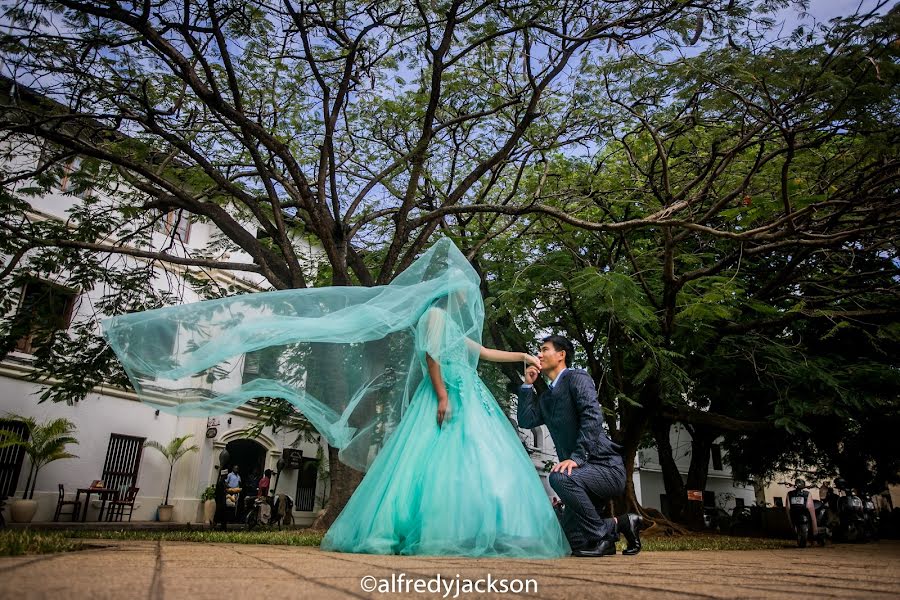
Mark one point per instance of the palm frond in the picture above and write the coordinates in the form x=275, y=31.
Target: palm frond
x=174, y=450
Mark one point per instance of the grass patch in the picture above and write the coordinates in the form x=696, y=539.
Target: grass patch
x=27, y=541
x=709, y=542
x=285, y=537
x=17, y=542
x=314, y=538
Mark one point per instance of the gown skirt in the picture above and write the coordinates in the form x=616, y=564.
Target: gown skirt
x=467, y=488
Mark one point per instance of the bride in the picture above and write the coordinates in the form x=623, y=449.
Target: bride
x=387, y=374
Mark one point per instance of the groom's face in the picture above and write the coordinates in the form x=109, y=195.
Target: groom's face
x=550, y=357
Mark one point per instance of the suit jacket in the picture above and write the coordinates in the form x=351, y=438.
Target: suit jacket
x=572, y=414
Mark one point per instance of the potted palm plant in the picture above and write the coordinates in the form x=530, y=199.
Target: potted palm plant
x=172, y=451
x=44, y=443
x=209, y=504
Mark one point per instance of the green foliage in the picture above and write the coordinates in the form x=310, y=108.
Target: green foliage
x=209, y=493
x=173, y=451
x=786, y=325
x=707, y=206
x=286, y=537
x=44, y=443
x=28, y=541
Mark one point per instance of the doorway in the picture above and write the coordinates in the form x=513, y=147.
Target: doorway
x=250, y=458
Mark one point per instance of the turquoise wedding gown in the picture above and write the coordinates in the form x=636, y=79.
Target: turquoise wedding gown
x=351, y=360
x=464, y=488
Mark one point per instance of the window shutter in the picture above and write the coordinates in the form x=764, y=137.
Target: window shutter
x=11, y=459
x=123, y=459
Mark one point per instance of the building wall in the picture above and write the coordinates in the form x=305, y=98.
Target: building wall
x=99, y=415
x=718, y=481
x=118, y=411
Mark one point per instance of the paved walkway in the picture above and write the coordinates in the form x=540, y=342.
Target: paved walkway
x=175, y=570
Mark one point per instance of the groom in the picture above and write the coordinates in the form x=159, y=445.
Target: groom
x=590, y=470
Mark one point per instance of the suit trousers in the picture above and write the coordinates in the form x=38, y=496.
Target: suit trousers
x=589, y=485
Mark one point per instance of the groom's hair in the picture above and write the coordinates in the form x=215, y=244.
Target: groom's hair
x=562, y=344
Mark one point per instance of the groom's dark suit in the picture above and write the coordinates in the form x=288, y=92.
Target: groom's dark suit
x=572, y=414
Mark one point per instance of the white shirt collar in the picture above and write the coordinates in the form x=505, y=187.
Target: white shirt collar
x=555, y=381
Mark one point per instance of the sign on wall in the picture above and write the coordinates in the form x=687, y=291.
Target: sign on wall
x=292, y=458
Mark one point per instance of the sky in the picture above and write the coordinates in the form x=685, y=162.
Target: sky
x=827, y=9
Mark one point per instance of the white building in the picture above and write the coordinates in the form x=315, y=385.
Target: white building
x=721, y=492
x=112, y=424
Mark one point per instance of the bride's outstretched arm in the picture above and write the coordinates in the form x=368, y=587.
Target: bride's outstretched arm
x=494, y=355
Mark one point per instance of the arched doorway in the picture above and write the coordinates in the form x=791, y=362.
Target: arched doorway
x=250, y=458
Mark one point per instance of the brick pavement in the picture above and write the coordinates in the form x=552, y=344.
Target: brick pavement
x=176, y=570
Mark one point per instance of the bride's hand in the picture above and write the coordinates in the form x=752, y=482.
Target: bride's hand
x=443, y=411
x=531, y=361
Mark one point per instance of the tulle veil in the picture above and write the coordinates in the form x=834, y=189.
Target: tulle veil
x=348, y=358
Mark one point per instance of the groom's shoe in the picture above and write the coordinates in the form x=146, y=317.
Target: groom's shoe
x=602, y=548
x=630, y=526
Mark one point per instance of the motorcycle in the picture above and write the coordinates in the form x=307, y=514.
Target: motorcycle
x=259, y=511
x=870, y=518
x=267, y=511
x=800, y=517
x=851, y=515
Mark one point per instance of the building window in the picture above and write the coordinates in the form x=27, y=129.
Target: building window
x=717, y=457
x=779, y=502
x=176, y=223
x=156, y=342
x=67, y=181
x=73, y=181
x=44, y=308
x=738, y=502
x=307, y=476
x=261, y=364
x=123, y=459
x=11, y=458
x=251, y=366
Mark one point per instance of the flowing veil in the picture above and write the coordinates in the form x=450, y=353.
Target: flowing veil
x=348, y=358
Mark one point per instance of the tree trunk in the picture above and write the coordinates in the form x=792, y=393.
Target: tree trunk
x=631, y=433
x=344, y=481
x=698, y=473
x=676, y=493
x=325, y=377
x=629, y=503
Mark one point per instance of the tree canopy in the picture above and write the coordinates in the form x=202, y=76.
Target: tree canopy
x=707, y=206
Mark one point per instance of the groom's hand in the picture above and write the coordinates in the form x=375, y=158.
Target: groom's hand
x=531, y=374
x=565, y=466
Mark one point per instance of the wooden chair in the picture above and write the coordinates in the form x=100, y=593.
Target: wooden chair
x=75, y=504
x=117, y=507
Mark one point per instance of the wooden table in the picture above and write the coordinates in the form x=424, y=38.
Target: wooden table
x=104, y=494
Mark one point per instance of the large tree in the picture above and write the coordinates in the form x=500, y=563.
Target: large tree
x=359, y=125
x=734, y=208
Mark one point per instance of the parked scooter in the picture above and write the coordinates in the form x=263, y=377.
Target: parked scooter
x=259, y=511
x=851, y=514
x=800, y=517
x=870, y=518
